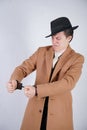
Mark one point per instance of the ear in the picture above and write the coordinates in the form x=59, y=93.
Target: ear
x=69, y=38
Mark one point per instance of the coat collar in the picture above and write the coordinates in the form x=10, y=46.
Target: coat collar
x=63, y=58
x=61, y=61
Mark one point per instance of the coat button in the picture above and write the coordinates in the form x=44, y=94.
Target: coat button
x=40, y=110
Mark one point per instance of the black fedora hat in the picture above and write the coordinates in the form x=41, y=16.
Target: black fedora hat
x=60, y=24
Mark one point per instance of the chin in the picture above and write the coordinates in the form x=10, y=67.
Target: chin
x=56, y=48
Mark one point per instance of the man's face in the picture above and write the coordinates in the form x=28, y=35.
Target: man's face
x=60, y=41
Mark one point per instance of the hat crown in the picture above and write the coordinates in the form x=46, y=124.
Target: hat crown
x=61, y=22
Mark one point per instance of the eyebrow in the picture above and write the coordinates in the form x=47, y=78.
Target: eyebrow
x=58, y=37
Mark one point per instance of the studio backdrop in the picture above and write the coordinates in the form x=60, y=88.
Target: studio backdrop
x=23, y=27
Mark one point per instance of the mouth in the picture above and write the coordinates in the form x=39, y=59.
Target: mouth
x=56, y=45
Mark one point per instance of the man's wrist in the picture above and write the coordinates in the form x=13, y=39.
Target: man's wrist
x=36, y=94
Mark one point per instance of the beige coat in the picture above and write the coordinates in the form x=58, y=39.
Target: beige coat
x=63, y=80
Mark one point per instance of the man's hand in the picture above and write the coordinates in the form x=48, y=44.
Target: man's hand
x=11, y=86
x=29, y=91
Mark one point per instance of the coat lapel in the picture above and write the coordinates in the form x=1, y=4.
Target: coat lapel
x=61, y=61
x=49, y=61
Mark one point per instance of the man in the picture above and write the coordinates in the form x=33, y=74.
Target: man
x=58, y=68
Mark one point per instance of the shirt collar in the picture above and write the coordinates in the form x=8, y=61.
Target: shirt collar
x=58, y=54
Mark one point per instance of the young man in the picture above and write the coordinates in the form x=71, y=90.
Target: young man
x=58, y=70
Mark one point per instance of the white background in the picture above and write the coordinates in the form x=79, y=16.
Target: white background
x=23, y=27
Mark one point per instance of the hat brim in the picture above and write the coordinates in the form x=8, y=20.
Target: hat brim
x=73, y=28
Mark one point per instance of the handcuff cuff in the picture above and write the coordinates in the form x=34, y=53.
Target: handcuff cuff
x=20, y=86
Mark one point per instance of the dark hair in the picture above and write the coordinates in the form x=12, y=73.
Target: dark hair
x=69, y=32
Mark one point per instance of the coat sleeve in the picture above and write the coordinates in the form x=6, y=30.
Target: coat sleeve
x=65, y=84
x=28, y=66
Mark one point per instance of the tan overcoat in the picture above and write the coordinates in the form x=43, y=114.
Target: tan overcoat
x=63, y=80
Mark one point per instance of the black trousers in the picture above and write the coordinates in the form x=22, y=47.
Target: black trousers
x=44, y=116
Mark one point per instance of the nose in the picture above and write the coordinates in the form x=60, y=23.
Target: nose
x=55, y=41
